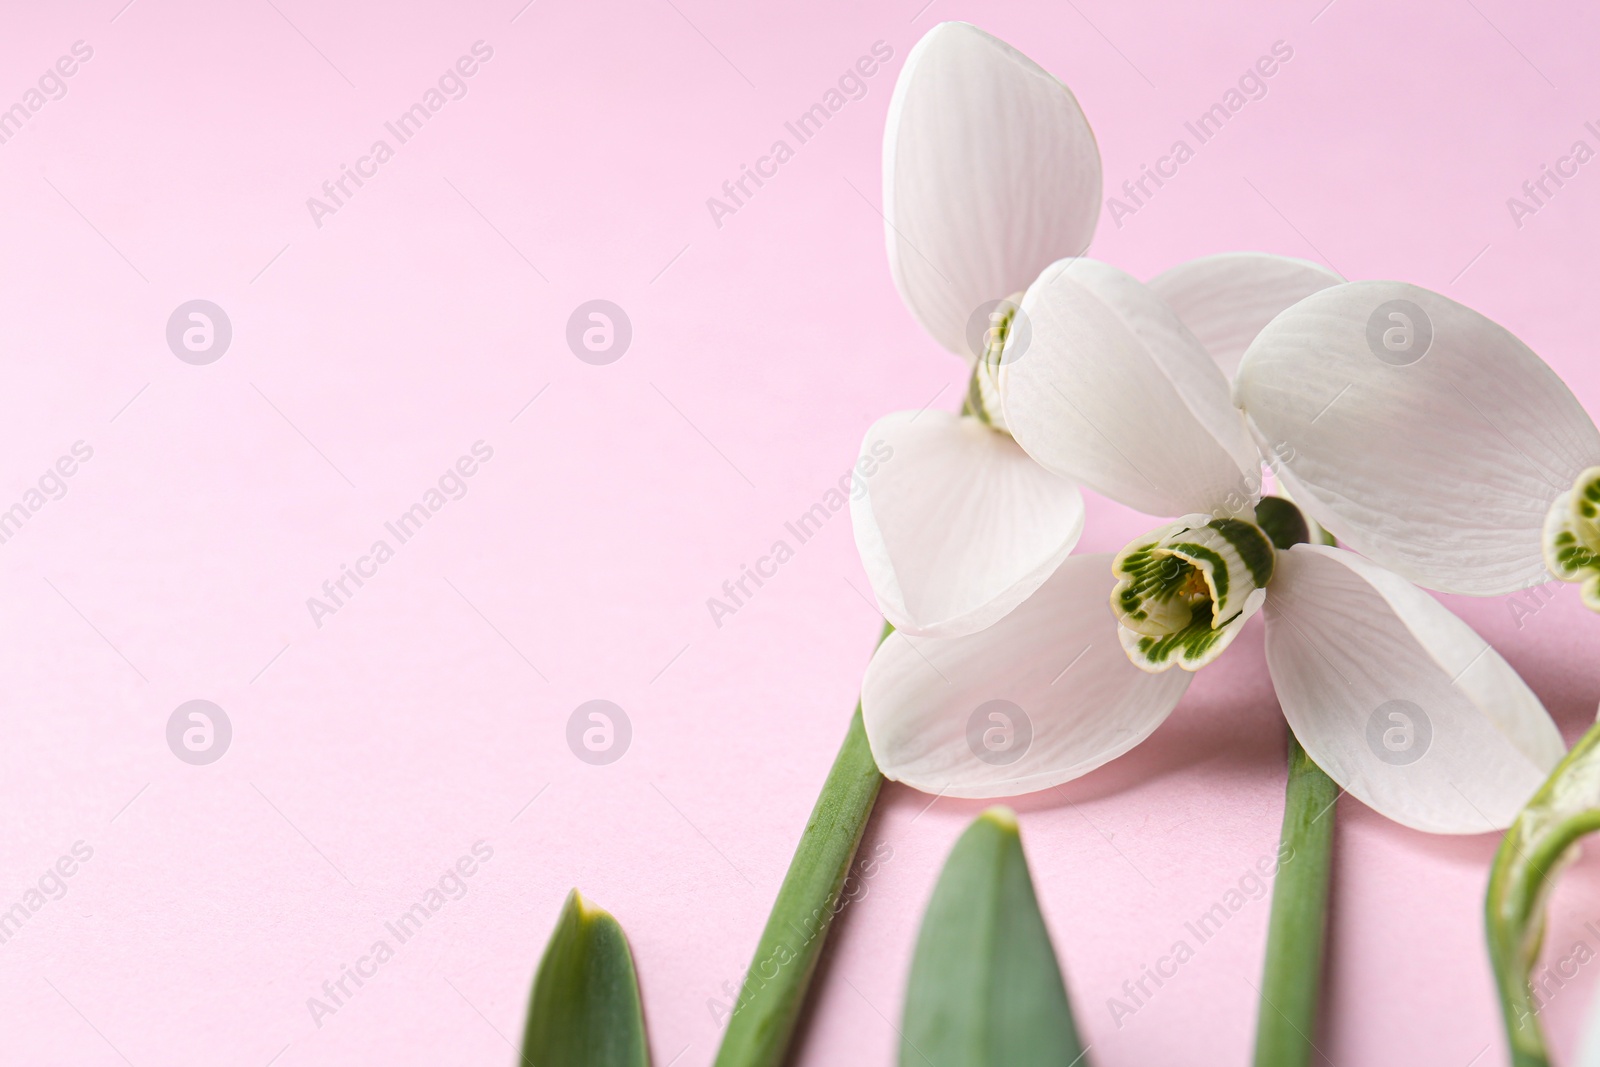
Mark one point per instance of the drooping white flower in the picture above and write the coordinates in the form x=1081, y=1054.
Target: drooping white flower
x=1392, y=695
x=990, y=173
x=1430, y=439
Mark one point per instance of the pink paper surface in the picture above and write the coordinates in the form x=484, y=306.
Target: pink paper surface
x=375, y=344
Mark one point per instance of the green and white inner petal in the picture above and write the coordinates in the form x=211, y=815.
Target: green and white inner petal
x=1184, y=592
x=983, y=388
x=1572, y=537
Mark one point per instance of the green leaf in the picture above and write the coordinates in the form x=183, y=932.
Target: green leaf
x=1540, y=842
x=985, y=988
x=585, y=1009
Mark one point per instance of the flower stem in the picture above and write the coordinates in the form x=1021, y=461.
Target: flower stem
x=1291, y=979
x=1538, y=844
x=775, y=986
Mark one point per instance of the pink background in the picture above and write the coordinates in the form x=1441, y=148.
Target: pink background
x=369, y=754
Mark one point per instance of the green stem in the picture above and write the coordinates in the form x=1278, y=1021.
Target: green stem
x=1291, y=980
x=774, y=989
x=1530, y=855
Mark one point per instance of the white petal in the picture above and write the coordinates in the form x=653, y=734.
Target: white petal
x=1114, y=392
x=955, y=524
x=1226, y=299
x=990, y=173
x=1443, y=468
x=1066, y=697
x=1398, y=700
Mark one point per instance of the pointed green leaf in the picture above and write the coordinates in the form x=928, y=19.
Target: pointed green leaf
x=1539, y=843
x=585, y=1009
x=985, y=988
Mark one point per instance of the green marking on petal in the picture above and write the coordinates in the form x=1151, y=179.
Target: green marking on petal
x=1571, y=538
x=1192, y=642
x=1184, y=591
x=1190, y=648
x=1588, y=500
x=1574, y=557
x=1253, y=546
x=1283, y=523
x=1157, y=592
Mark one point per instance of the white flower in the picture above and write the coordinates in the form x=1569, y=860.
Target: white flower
x=1430, y=439
x=990, y=173
x=1393, y=696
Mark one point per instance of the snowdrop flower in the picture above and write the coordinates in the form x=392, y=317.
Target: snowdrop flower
x=1396, y=698
x=1430, y=439
x=990, y=173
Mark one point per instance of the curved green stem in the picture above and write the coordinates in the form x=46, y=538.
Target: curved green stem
x=774, y=988
x=1291, y=979
x=1533, y=851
